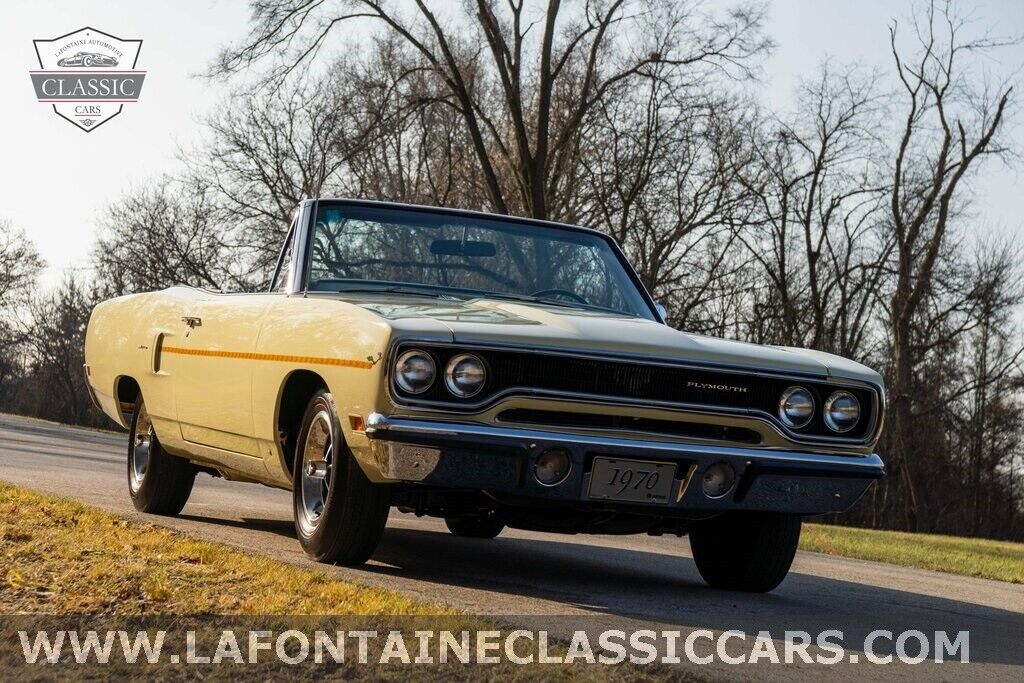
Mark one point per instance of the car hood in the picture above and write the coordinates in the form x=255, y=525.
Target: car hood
x=497, y=321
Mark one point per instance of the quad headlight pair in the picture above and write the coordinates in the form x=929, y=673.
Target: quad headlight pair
x=464, y=375
x=841, y=411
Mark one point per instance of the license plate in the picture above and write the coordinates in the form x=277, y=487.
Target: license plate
x=636, y=481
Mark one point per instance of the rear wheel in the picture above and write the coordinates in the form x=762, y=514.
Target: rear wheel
x=158, y=482
x=745, y=551
x=339, y=513
x=477, y=526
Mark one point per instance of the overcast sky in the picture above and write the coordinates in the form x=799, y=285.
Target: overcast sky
x=55, y=179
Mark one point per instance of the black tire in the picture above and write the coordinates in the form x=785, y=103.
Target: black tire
x=478, y=526
x=354, y=509
x=745, y=551
x=159, y=483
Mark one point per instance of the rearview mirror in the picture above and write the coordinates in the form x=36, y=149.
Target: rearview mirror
x=461, y=248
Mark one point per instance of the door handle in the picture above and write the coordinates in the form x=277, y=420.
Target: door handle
x=192, y=321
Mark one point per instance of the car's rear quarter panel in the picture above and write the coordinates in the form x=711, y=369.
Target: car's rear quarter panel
x=121, y=342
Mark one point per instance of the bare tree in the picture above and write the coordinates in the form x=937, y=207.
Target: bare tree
x=414, y=148
x=19, y=267
x=525, y=98
x=54, y=386
x=990, y=393
x=270, y=149
x=163, y=234
x=660, y=173
x=948, y=128
x=817, y=230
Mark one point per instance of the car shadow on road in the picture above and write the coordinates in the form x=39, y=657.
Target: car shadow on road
x=278, y=527
x=644, y=588
x=665, y=589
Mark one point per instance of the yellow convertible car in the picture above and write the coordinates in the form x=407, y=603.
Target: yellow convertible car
x=492, y=371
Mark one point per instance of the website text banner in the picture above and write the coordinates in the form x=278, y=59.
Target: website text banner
x=355, y=646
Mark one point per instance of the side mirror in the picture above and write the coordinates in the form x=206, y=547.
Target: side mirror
x=662, y=311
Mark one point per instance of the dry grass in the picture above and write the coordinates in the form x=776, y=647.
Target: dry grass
x=62, y=557
x=978, y=557
x=59, y=557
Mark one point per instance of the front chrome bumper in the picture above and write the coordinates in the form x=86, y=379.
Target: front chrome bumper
x=499, y=460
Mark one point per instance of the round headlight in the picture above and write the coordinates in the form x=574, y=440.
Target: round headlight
x=842, y=411
x=465, y=375
x=796, y=407
x=415, y=371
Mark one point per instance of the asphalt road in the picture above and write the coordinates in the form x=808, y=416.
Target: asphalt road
x=598, y=580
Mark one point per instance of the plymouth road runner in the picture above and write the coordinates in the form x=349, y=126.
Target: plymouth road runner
x=492, y=371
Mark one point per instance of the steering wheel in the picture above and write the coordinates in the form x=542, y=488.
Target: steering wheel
x=560, y=292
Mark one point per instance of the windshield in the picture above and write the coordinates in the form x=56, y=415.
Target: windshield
x=360, y=248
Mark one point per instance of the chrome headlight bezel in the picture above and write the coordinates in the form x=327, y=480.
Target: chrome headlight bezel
x=402, y=381
x=788, y=394
x=451, y=380
x=830, y=421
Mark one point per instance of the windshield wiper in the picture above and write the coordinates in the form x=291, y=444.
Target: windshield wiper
x=397, y=289
x=550, y=302
x=529, y=299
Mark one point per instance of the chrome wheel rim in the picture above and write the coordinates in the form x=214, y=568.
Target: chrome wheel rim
x=139, y=450
x=315, y=472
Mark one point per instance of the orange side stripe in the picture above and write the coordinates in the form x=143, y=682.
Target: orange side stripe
x=242, y=355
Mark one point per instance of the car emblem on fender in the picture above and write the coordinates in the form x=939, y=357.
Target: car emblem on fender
x=87, y=76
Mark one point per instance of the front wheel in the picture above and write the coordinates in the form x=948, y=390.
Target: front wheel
x=745, y=551
x=339, y=513
x=158, y=482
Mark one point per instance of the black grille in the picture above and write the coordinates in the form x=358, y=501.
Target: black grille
x=609, y=378
x=526, y=373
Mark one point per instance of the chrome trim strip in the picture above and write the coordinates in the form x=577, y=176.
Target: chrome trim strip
x=380, y=427
x=86, y=372
x=689, y=409
x=873, y=432
x=288, y=242
x=303, y=246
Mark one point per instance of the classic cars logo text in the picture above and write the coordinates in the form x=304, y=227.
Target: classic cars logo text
x=87, y=76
